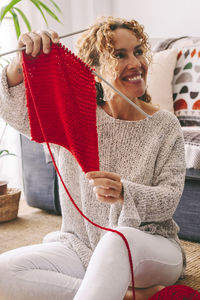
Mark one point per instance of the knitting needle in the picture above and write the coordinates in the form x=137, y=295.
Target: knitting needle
x=116, y=90
x=46, y=32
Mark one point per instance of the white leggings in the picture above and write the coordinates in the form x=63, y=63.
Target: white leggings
x=52, y=271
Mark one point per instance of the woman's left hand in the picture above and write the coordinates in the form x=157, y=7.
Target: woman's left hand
x=107, y=186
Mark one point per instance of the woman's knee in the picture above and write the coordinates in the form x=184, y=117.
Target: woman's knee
x=6, y=276
x=132, y=235
x=13, y=267
x=156, y=259
x=14, y=261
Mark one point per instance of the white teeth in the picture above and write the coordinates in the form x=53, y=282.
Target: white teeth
x=138, y=77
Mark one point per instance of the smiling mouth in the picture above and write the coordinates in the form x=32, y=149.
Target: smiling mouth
x=132, y=78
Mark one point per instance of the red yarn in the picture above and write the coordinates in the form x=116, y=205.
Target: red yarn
x=177, y=292
x=63, y=88
x=61, y=102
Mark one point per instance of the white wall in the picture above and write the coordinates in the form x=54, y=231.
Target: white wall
x=10, y=166
x=76, y=15
x=163, y=18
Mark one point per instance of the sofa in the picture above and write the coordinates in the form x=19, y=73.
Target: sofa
x=40, y=181
x=188, y=210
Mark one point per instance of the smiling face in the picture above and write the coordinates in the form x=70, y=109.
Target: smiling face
x=119, y=50
x=132, y=65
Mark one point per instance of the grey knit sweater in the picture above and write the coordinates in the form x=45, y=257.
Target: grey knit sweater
x=147, y=154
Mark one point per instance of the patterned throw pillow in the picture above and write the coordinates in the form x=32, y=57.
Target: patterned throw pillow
x=186, y=86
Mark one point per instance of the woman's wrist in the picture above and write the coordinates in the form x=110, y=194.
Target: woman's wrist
x=14, y=73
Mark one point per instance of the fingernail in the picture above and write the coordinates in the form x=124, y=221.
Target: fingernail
x=91, y=181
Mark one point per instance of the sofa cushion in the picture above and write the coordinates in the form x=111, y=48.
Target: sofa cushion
x=186, y=86
x=193, y=174
x=160, y=77
x=192, y=146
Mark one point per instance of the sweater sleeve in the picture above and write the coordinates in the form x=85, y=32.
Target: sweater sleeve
x=13, y=109
x=157, y=203
x=13, y=105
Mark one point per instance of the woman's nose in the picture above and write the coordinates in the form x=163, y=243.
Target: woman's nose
x=133, y=62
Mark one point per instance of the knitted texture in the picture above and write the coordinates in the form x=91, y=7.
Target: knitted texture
x=65, y=101
x=177, y=292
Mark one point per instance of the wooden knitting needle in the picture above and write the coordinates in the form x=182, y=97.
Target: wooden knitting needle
x=110, y=85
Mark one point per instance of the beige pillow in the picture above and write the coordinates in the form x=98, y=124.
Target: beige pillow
x=160, y=77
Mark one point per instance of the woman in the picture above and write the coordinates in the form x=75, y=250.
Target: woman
x=136, y=192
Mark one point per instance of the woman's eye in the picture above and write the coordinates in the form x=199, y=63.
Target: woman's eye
x=119, y=55
x=139, y=52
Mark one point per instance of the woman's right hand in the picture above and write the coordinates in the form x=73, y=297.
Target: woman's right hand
x=34, y=43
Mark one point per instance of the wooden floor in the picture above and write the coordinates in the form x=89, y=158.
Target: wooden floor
x=31, y=225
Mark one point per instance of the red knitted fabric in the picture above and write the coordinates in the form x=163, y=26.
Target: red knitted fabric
x=175, y=292
x=63, y=89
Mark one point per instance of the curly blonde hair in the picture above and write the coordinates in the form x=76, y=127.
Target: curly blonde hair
x=96, y=47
